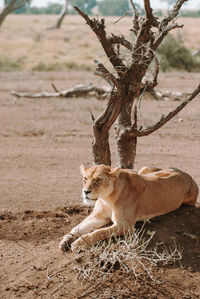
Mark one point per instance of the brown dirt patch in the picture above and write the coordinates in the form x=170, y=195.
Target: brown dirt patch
x=32, y=267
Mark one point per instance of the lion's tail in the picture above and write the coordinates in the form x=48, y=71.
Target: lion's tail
x=192, y=195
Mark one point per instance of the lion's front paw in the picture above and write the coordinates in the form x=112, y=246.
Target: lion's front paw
x=81, y=243
x=65, y=244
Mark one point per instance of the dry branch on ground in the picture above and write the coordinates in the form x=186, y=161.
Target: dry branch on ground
x=76, y=91
x=101, y=93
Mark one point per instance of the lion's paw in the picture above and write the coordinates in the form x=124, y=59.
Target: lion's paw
x=65, y=244
x=80, y=243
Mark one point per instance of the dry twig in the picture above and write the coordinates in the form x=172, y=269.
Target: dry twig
x=132, y=257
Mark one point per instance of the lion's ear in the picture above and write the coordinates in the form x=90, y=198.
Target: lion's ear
x=83, y=169
x=114, y=172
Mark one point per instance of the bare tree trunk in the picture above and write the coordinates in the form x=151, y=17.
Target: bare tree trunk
x=61, y=16
x=3, y=15
x=127, y=151
x=11, y=6
x=126, y=146
x=101, y=127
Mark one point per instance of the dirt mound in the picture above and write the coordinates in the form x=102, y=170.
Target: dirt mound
x=32, y=267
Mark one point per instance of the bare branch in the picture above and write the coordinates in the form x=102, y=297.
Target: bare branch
x=165, y=119
x=151, y=19
x=151, y=85
x=133, y=7
x=172, y=14
x=101, y=68
x=136, y=25
x=54, y=87
x=110, y=114
x=99, y=29
x=115, y=39
x=125, y=14
x=100, y=74
x=156, y=72
x=92, y=116
x=148, y=10
x=165, y=27
x=163, y=33
x=143, y=42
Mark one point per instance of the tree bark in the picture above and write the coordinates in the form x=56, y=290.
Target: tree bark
x=100, y=147
x=126, y=146
x=101, y=127
x=126, y=151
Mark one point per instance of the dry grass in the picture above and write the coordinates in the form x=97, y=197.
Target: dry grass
x=128, y=258
x=29, y=46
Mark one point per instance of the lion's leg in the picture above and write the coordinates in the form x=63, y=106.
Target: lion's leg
x=146, y=170
x=123, y=222
x=90, y=239
x=89, y=224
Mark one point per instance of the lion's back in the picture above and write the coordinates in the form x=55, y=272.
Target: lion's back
x=165, y=190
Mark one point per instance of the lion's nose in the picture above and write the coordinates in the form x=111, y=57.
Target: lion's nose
x=87, y=192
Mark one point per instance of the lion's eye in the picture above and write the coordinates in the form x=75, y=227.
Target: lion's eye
x=84, y=180
x=98, y=180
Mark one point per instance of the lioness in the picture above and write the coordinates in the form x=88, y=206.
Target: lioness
x=122, y=196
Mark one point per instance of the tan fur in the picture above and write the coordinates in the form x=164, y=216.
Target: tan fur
x=122, y=197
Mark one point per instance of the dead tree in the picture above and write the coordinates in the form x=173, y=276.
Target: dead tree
x=10, y=6
x=127, y=78
x=62, y=15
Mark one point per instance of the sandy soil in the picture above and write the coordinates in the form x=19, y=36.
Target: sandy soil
x=43, y=142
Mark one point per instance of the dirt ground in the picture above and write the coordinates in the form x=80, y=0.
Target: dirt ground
x=43, y=142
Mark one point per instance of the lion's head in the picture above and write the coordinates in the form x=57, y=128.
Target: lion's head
x=98, y=182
